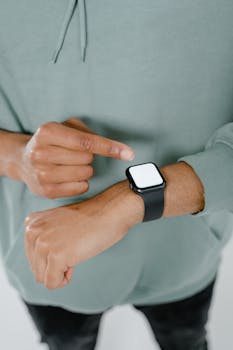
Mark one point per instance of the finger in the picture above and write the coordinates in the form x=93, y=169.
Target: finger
x=61, y=174
x=29, y=244
x=78, y=124
x=64, y=156
x=65, y=189
x=64, y=136
x=35, y=223
x=39, y=261
x=54, y=274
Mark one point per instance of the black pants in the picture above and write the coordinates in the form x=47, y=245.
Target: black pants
x=176, y=326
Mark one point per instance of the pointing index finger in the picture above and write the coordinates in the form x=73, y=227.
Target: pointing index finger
x=67, y=137
x=105, y=147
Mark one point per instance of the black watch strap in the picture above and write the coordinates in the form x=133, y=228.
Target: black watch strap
x=153, y=192
x=154, y=204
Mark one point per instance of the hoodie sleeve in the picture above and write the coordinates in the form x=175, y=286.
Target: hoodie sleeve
x=214, y=166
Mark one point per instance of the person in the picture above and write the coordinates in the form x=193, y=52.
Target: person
x=87, y=87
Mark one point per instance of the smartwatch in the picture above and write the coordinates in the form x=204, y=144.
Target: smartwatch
x=147, y=181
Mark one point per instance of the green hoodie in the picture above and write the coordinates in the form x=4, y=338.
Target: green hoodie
x=156, y=75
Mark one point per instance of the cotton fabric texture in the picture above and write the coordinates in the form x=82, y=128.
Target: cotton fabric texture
x=156, y=75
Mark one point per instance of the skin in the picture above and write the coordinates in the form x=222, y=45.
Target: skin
x=93, y=225
x=56, y=161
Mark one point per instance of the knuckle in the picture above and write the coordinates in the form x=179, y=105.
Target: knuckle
x=29, y=218
x=41, y=131
x=89, y=158
x=39, y=279
x=45, y=129
x=90, y=172
x=86, y=144
x=110, y=149
x=42, y=176
x=84, y=188
x=31, y=155
x=49, y=192
x=26, y=222
x=35, y=155
x=35, y=190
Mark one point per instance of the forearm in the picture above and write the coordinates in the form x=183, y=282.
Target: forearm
x=184, y=194
x=10, y=152
x=98, y=223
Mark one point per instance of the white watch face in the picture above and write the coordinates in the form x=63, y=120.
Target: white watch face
x=146, y=175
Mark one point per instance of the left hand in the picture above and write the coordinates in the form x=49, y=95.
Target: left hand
x=58, y=239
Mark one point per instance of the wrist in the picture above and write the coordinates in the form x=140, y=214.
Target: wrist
x=11, y=156
x=184, y=192
x=127, y=205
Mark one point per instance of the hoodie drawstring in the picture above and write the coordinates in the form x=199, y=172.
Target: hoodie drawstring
x=83, y=27
x=65, y=25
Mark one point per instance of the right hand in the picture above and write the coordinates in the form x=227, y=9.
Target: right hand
x=56, y=161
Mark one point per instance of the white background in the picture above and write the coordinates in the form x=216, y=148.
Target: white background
x=122, y=328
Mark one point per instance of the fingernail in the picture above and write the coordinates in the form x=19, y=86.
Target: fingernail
x=127, y=154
